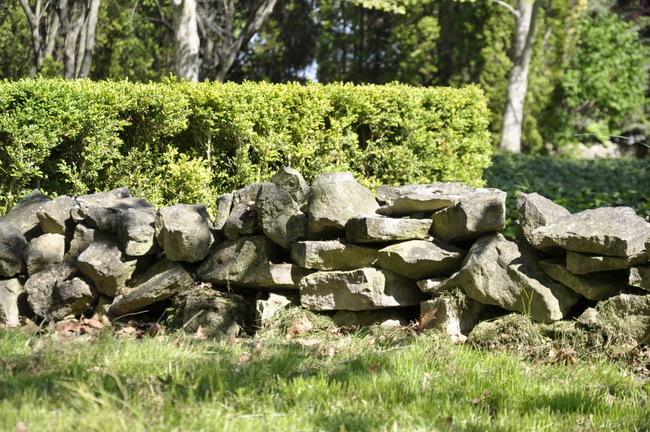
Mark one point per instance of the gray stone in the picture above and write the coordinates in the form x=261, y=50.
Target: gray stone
x=280, y=217
x=640, y=277
x=332, y=255
x=217, y=315
x=243, y=217
x=633, y=313
x=420, y=259
x=536, y=211
x=477, y=214
x=44, y=251
x=431, y=285
x=387, y=319
x=83, y=237
x=333, y=200
x=505, y=273
x=136, y=232
x=58, y=291
x=184, y=232
x=104, y=264
x=161, y=281
x=292, y=182
x=54, y=216
x=10, y=291
x=242, y=262
x=23, y=216
x=282, y=276
x=630, y=304
x=579, y=263
x=83, y=202
x=266, y=310
x=612, y=231
x=452, y=315
x=594, y=286
x=224, y=205
x=362, y=289
x=12, y=246
x=107, y=216
x=374, y=229
x=410, y=199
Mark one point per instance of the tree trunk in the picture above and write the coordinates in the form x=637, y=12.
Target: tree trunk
x=85, y=55
x=513, y=115
x=34, y=25
x=187, y=62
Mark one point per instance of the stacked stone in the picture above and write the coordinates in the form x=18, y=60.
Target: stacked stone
x=334, y=244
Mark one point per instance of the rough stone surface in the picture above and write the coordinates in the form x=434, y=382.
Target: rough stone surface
x=282, y=276
x=332, y=255
x=54, y=216
x=388, y=319
x=634, y=313
x=216, y=316
x=243, y=217
x=83, y=237
x=136, y=232
x=334, y=199
x=594, y=287
x=362, y=289
x=58, y=291
x=292, y=182
x=241, y=262
x=266, y=310
x=473, y=216
x=280, y=216
x=224, y=205
x=104, y=264
x=506, y=274
x=431, y=285
x=536, y=211
x=410, y=199
x=374, y=229
x=12, y=246
x=10, y=291
x=162, y=281
x=44, y=251
x=23, y=216
x=420, y=259
x=83, y=202
x=451, y=315
x=640, y=277
x=611, y=231
x=579, y=263
x=107, y=216
x=184, y=232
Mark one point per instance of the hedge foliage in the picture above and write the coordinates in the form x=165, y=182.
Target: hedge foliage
x=187, y=142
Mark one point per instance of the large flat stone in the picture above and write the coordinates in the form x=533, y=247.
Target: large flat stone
x=332, y=255
x=420, y=259
x=580, y=263
x=407, y=200
x=611, y=231
x=375, y=229
x=536, y=211
x=362, y=289
x=593, y=286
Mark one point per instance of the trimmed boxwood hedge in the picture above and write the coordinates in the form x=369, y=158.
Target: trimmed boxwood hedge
x=187, y=142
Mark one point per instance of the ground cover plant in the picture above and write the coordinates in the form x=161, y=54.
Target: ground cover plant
x=576, y=184
x=303, y=373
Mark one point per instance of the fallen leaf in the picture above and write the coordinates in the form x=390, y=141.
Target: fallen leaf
x=67, y=328
x=458, y=338
x=374, y=368
x=154, y=329
x=426, y=318
x=244, y=357
x=299, y=327
x=425, y=381
x=308, y=342
x=29, y=326
x=201, y=333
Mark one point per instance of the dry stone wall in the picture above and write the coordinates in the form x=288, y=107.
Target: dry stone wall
x=332, y=247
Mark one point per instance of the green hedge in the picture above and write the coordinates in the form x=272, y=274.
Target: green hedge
x=187, y=142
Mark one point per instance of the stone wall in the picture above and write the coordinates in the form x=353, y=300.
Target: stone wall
x=430, y=250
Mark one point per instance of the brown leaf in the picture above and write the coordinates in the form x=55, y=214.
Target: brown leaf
x=67, y=328
x=201, y=333
x=308, y=342
x=374, y=368
x=300, y=326
x=427, y=318
x=244, y=357
x=425, y=381
x=29, y=326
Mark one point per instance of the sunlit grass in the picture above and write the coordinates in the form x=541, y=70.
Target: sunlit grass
x=354, y=382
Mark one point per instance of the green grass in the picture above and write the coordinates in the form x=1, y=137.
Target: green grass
x=371, y=381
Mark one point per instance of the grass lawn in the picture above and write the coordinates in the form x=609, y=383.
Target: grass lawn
x=322, y=380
